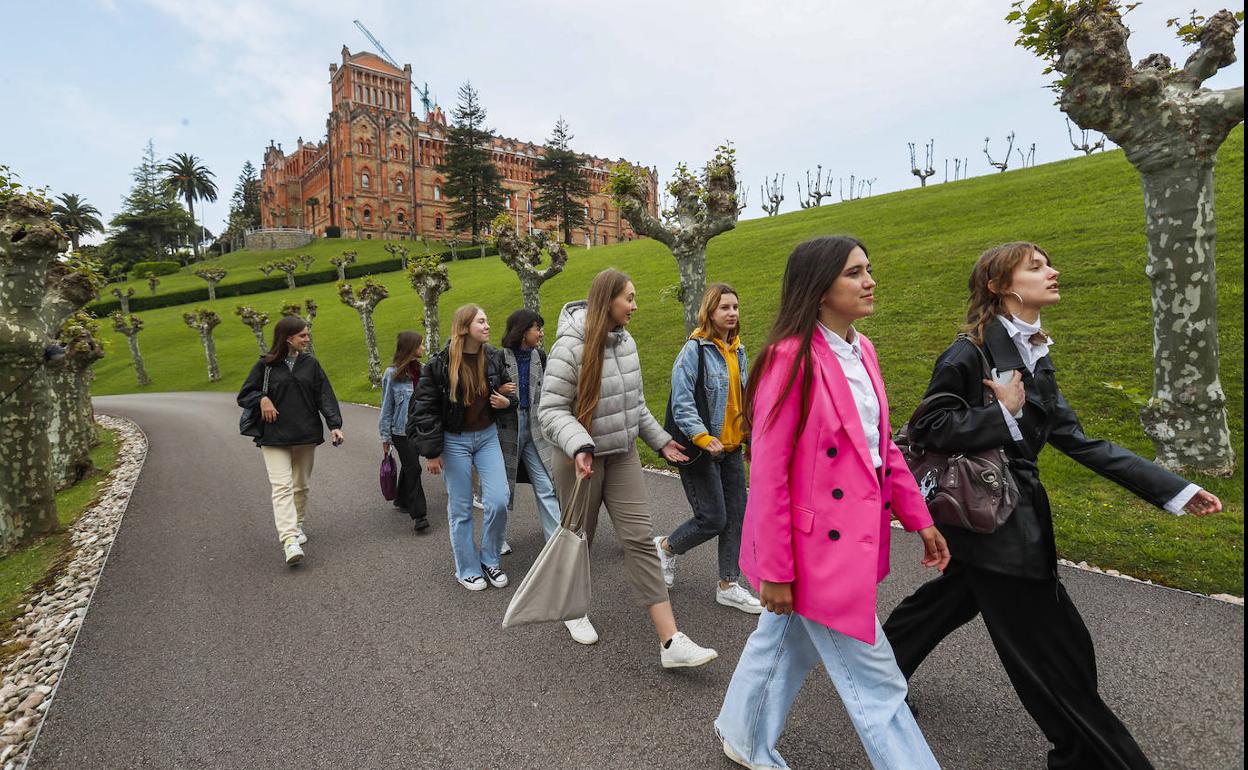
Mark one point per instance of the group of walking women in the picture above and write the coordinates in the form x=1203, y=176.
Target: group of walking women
x=826, y=479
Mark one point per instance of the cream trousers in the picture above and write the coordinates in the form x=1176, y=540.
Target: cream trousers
x=289, y=469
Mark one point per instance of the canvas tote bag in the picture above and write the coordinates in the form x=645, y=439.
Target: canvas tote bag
x=557, y=585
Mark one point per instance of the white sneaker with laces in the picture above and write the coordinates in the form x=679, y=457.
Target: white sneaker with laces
x=496, y=576
x=736, y=596
x=667, y=561
x=582, y=630
x=506, y=549
x=683, y=652
x=473, y=583
x=294, y=554
x=301, y=537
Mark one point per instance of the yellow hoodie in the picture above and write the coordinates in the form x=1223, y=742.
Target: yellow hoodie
x=730, y=435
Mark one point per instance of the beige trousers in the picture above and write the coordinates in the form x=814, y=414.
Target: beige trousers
x=618, y=483
x=289, y=469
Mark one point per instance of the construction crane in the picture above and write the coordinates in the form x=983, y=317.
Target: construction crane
x=381, y=49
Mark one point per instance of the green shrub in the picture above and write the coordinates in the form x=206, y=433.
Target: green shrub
x=148, y=269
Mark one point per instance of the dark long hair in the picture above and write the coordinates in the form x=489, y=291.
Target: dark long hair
x=405, y=347
x=283, y=330
x=812, y=268
x=518, y=324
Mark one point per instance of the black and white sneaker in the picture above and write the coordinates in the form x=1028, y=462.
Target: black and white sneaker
x=473, y=583
x=496, y=576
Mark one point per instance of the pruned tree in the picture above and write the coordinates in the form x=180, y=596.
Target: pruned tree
x=927, y=170
x=355, y=223
x=869, y=184
x=1004, y=163
x=705, y=206
x=341, y=263
x=152, y=283
x=307, y=259
x=123, y=297
x=38, y=293
x=203, y=320
x=523, y=254
x=1084, y=145
x=289, y=266
x=129, y=327
x=743, y=198
x=453, y=242
x=430, y=278
x=815, y=191
x=306, y=311
x=256, y=321
x=1170, y=127
x=386, y=222
x=856, y=187
x=364, y=303
x=267, y=268
x=213, y=275
x=594, y=223
x=398, y=251
x=772, y=194
x=72, y=430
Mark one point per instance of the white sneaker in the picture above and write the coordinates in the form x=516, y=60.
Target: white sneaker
x=732, y=754
x=683, y=652
x=473, y=583
x=506, y=549
x=476, y=502
x=582, y=630
x=667, y=561
x=294, y=554
x=736, y=596
x=301, y=537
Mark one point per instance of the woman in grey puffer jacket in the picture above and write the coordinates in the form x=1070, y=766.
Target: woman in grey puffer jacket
x=592, y=410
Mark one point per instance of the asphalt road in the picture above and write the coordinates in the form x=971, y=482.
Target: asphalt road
x=203, y=650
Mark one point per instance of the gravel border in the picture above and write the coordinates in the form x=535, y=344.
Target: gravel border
x=49, y=626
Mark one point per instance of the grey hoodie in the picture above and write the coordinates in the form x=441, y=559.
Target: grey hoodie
x=621, y=414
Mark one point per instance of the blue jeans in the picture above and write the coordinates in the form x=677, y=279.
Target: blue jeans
x=543, y=488
x=460, y=452
x=716, y=491
x=773, y=665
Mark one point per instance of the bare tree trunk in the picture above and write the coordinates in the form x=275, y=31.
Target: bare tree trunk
x=259, y=332
x=432, y=332
x=370, y=342
x=210, y=353
x=139, y=372
x=290, y=279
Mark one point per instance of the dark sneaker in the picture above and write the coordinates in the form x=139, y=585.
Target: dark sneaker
x=473, y=583
x=496, y=576
x=422, y=524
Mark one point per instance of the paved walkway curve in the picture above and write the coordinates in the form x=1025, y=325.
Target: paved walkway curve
x=203, y=650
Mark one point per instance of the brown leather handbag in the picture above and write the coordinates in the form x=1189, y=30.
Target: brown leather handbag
x=972, y=490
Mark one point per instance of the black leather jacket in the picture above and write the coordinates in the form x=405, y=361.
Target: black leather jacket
x=431, y=413
x=302, y=396
x=1024, y=546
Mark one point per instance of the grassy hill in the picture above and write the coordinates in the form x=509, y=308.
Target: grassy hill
x=1087, y=212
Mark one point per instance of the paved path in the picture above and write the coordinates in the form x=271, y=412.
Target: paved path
x=203, y=650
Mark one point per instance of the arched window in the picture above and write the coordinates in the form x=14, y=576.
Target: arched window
x=368, y=215
x=437, y=193
x=364, y=179
x=400, y=217
x=437, y=222
x=398, y=184
x=530, y=204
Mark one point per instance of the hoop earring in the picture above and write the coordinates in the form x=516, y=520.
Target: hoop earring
x=1020, y=298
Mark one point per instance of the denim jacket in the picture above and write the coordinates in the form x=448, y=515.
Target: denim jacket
x=395, y=396
x=715, y=383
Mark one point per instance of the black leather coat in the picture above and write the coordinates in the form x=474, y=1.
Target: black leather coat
x=1024, y=545
x=301, y=396
x=431, y=413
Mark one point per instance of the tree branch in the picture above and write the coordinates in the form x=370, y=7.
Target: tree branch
x=645, y=224
x=1216, y=50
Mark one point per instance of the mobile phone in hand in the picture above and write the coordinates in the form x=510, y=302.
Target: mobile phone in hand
x=1002, y=378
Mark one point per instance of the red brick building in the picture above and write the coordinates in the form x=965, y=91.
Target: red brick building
x=377, y=169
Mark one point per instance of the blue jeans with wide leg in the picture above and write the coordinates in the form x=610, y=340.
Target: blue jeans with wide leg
x=460, y=453
x=543, y=488
x=774, y=664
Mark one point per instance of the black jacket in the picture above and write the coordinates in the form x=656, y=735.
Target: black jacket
x=300, y=395
x=431, y=413
x=1024, y=546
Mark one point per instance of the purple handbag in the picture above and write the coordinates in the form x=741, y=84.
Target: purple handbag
x=389, y=477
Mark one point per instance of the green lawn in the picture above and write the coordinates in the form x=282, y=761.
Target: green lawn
x=26, y=567
x=1087, y=212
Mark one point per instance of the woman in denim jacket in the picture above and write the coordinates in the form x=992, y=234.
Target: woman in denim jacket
x=715, y=482
x=397, y=385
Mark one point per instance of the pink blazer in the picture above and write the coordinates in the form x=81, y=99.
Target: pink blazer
x=818, y=512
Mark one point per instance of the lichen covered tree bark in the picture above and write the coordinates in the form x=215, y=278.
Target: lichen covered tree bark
x=430, y=278
x=72, y=432
x=365, y=302
x=523, y=254
x=204, y=320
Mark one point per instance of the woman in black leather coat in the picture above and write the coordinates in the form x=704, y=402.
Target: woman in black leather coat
x=1010, y=576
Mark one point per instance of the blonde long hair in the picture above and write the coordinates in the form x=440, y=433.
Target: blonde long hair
x=995, y=267
x=606, y=286
x=710, y=303
x=473, y=379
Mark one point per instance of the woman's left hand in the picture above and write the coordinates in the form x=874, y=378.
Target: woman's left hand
x=935, y=549
x=337, y=436
x=508, y=388
x=1203, y=503
x=671, y=452
x=499, y=401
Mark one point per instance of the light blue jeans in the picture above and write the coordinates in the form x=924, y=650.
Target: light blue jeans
x=543, y=488
x=773, y=665
x=460, y=452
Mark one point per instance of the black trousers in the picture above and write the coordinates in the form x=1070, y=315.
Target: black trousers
x=411, y=495
x=1046, y=651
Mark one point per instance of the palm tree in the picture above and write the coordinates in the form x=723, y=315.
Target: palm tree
x=76, y=217
x=186, y=177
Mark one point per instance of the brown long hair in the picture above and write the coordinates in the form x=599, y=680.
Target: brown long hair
x=812, y=268
x=606, y=286
x=996, y=267
x=283, y=330
x=405, y=348
x=710, y=303
x=474, y=378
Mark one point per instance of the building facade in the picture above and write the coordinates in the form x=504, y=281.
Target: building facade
x=376, y=171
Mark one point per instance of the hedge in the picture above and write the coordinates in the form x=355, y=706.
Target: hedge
x=147, y=269
x=274, y=282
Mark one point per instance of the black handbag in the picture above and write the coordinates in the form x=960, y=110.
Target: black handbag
x=249, y=422
x=691, y=450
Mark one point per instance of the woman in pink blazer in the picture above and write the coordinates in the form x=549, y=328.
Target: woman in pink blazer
x=825, y=481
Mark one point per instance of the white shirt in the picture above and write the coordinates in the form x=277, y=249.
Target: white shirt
x=1021, y=333
x=850, y=356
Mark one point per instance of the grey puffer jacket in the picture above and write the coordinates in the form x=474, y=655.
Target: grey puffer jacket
x=621, y=414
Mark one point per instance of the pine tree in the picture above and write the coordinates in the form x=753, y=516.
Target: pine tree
x=244, y=204
x=473, y=183
x=151, y=220
x=561, y=189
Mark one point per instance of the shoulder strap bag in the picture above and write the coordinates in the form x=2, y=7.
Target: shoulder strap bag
x=250, y=422
x=691, y=450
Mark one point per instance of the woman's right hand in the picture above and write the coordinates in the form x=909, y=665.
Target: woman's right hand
x=776, y=597
x=268, y=412
x=715, y=447
x=1011, y=395
x=385, y=447
x=584, y=465
x=434, y=466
